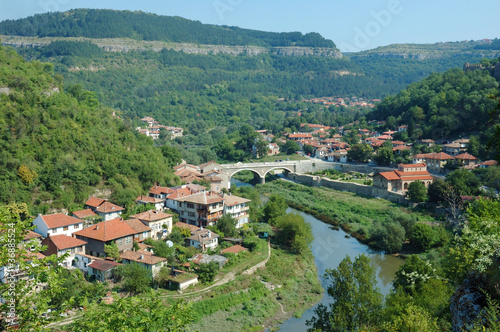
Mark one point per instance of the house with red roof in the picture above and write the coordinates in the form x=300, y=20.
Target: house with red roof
x=61, y=244
x=201, y=209
x=159, y=222
x=466, y=159
x=102, y=270
x=398, y=180
x=236, y=249
x=144, y=258
x=158, y=203
x=143, y=231
x=103, y=233
x=103, y=208
x=238, y=208
x=300, y=136
x=56, y=224
x=88, y=216
x=436, y=161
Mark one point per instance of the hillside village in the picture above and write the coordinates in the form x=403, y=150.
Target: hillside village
x=192, y=210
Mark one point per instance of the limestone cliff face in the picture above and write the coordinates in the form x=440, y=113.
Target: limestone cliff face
x=127, y=45
x=466, y=304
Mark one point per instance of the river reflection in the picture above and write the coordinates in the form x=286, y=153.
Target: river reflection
x=329, y=248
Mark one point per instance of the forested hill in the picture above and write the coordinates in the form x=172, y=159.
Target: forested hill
x=445, y=105
x=56, y=147
x=98, y=23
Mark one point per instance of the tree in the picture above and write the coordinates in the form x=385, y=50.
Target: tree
x=464, y=181
x=360, y=152
x=413, y=274
x=356, y=302
x=172, y=155
x=207, y=272
x=389, y=236
x=384, y=156
x=417, y=191
x=19, y=257
x=291, y=147
x=436, y=191
x=161, y=249
x=295, y=232
x=112, y=251
x=309, y=149
x=422, y=236
x=137, y=279
x=134, y=313
x=275, y=207
x=227, y=225
x=261, y=146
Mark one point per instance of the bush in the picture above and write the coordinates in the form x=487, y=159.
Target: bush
x=251, y=243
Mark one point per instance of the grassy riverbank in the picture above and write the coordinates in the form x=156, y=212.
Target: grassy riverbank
x=355, y=214
x=287, y=286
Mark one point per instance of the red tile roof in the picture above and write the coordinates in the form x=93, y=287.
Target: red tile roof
x=107, y=230
x=181, y=192
x=59, y=220
x=465, y=156
x=157, y=190
x=391, y=176
x=149, y=200
x=300, y=135
x=102, y=265
x=142, y=256
x=203, y=198
x=108, y=207
x=439, y=156
x=181, y=224
x=413, y=165
x=234, y=249
x=151, y=215
x=65, y=242
x=31, y=235
x=82, y=214
x=94, y=201
x=137, y=225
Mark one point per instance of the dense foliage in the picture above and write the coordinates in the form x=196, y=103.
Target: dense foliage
x=444, y=105
x=99, y=23
x=58, y=146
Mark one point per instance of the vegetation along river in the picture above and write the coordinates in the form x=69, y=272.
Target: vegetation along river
x=329, y=248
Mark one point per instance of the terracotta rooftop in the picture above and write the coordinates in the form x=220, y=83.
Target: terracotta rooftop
x=192, y=228
x=102, y=265
x=203, y=235
x=207, y=164
x=108, y=207
x=82, y=214
x=466, y=156
x=181, y=192
x=391, y=176
x=231, y=200
x=149, y=200
x=157, y=190
x=151, y=215
x=142, y=256
x=94, y=201
x=184, y=166
x=107, y=230
x=59, y=220
x=65, y=242
x=203, y=198
x=300, y=135
x=413, y=165
x=137, y=225
x=439, y=156
x=234, y=249
x=31, y=235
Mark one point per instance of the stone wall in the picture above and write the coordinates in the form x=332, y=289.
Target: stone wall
x=359, y=189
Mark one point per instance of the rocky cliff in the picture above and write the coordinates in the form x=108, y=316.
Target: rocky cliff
x=126, y=45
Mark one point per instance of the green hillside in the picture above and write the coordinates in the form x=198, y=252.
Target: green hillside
x=98, y=23
x=56, y=147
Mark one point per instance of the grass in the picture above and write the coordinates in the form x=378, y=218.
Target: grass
x=354, y=213
x=246, y=303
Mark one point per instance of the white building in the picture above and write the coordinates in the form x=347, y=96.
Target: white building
x=238, y=208
x=57, y=224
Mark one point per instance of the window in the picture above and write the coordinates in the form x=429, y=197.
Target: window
x=191, y=214
x=128, y=240
x=65, y=228
x=54, y=231
x=77, y=226
x=190, y=205
x=119, y=242
x=145, y=234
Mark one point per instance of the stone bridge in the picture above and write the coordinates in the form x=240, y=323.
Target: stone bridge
x=261, y=169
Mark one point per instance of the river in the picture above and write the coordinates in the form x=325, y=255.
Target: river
x=329, y=248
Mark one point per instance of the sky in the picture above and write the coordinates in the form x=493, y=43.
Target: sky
x=352, y=24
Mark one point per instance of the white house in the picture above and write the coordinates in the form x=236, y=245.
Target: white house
x=238, y=208
x=144, y=258
x=159, y=222
x=57, y=224
x=204, y=239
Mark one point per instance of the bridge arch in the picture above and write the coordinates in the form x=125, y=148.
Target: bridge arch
x=277, y=167
x=262, y=178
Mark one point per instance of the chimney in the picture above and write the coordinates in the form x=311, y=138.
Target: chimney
x=209, y=234
x=97, y=227
x=142, y=257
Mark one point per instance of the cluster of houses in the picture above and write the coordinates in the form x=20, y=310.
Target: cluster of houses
x=84, y=235
x=346, y=102
x=153, y=129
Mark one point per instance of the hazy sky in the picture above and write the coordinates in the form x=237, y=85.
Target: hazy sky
x=351, y=24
